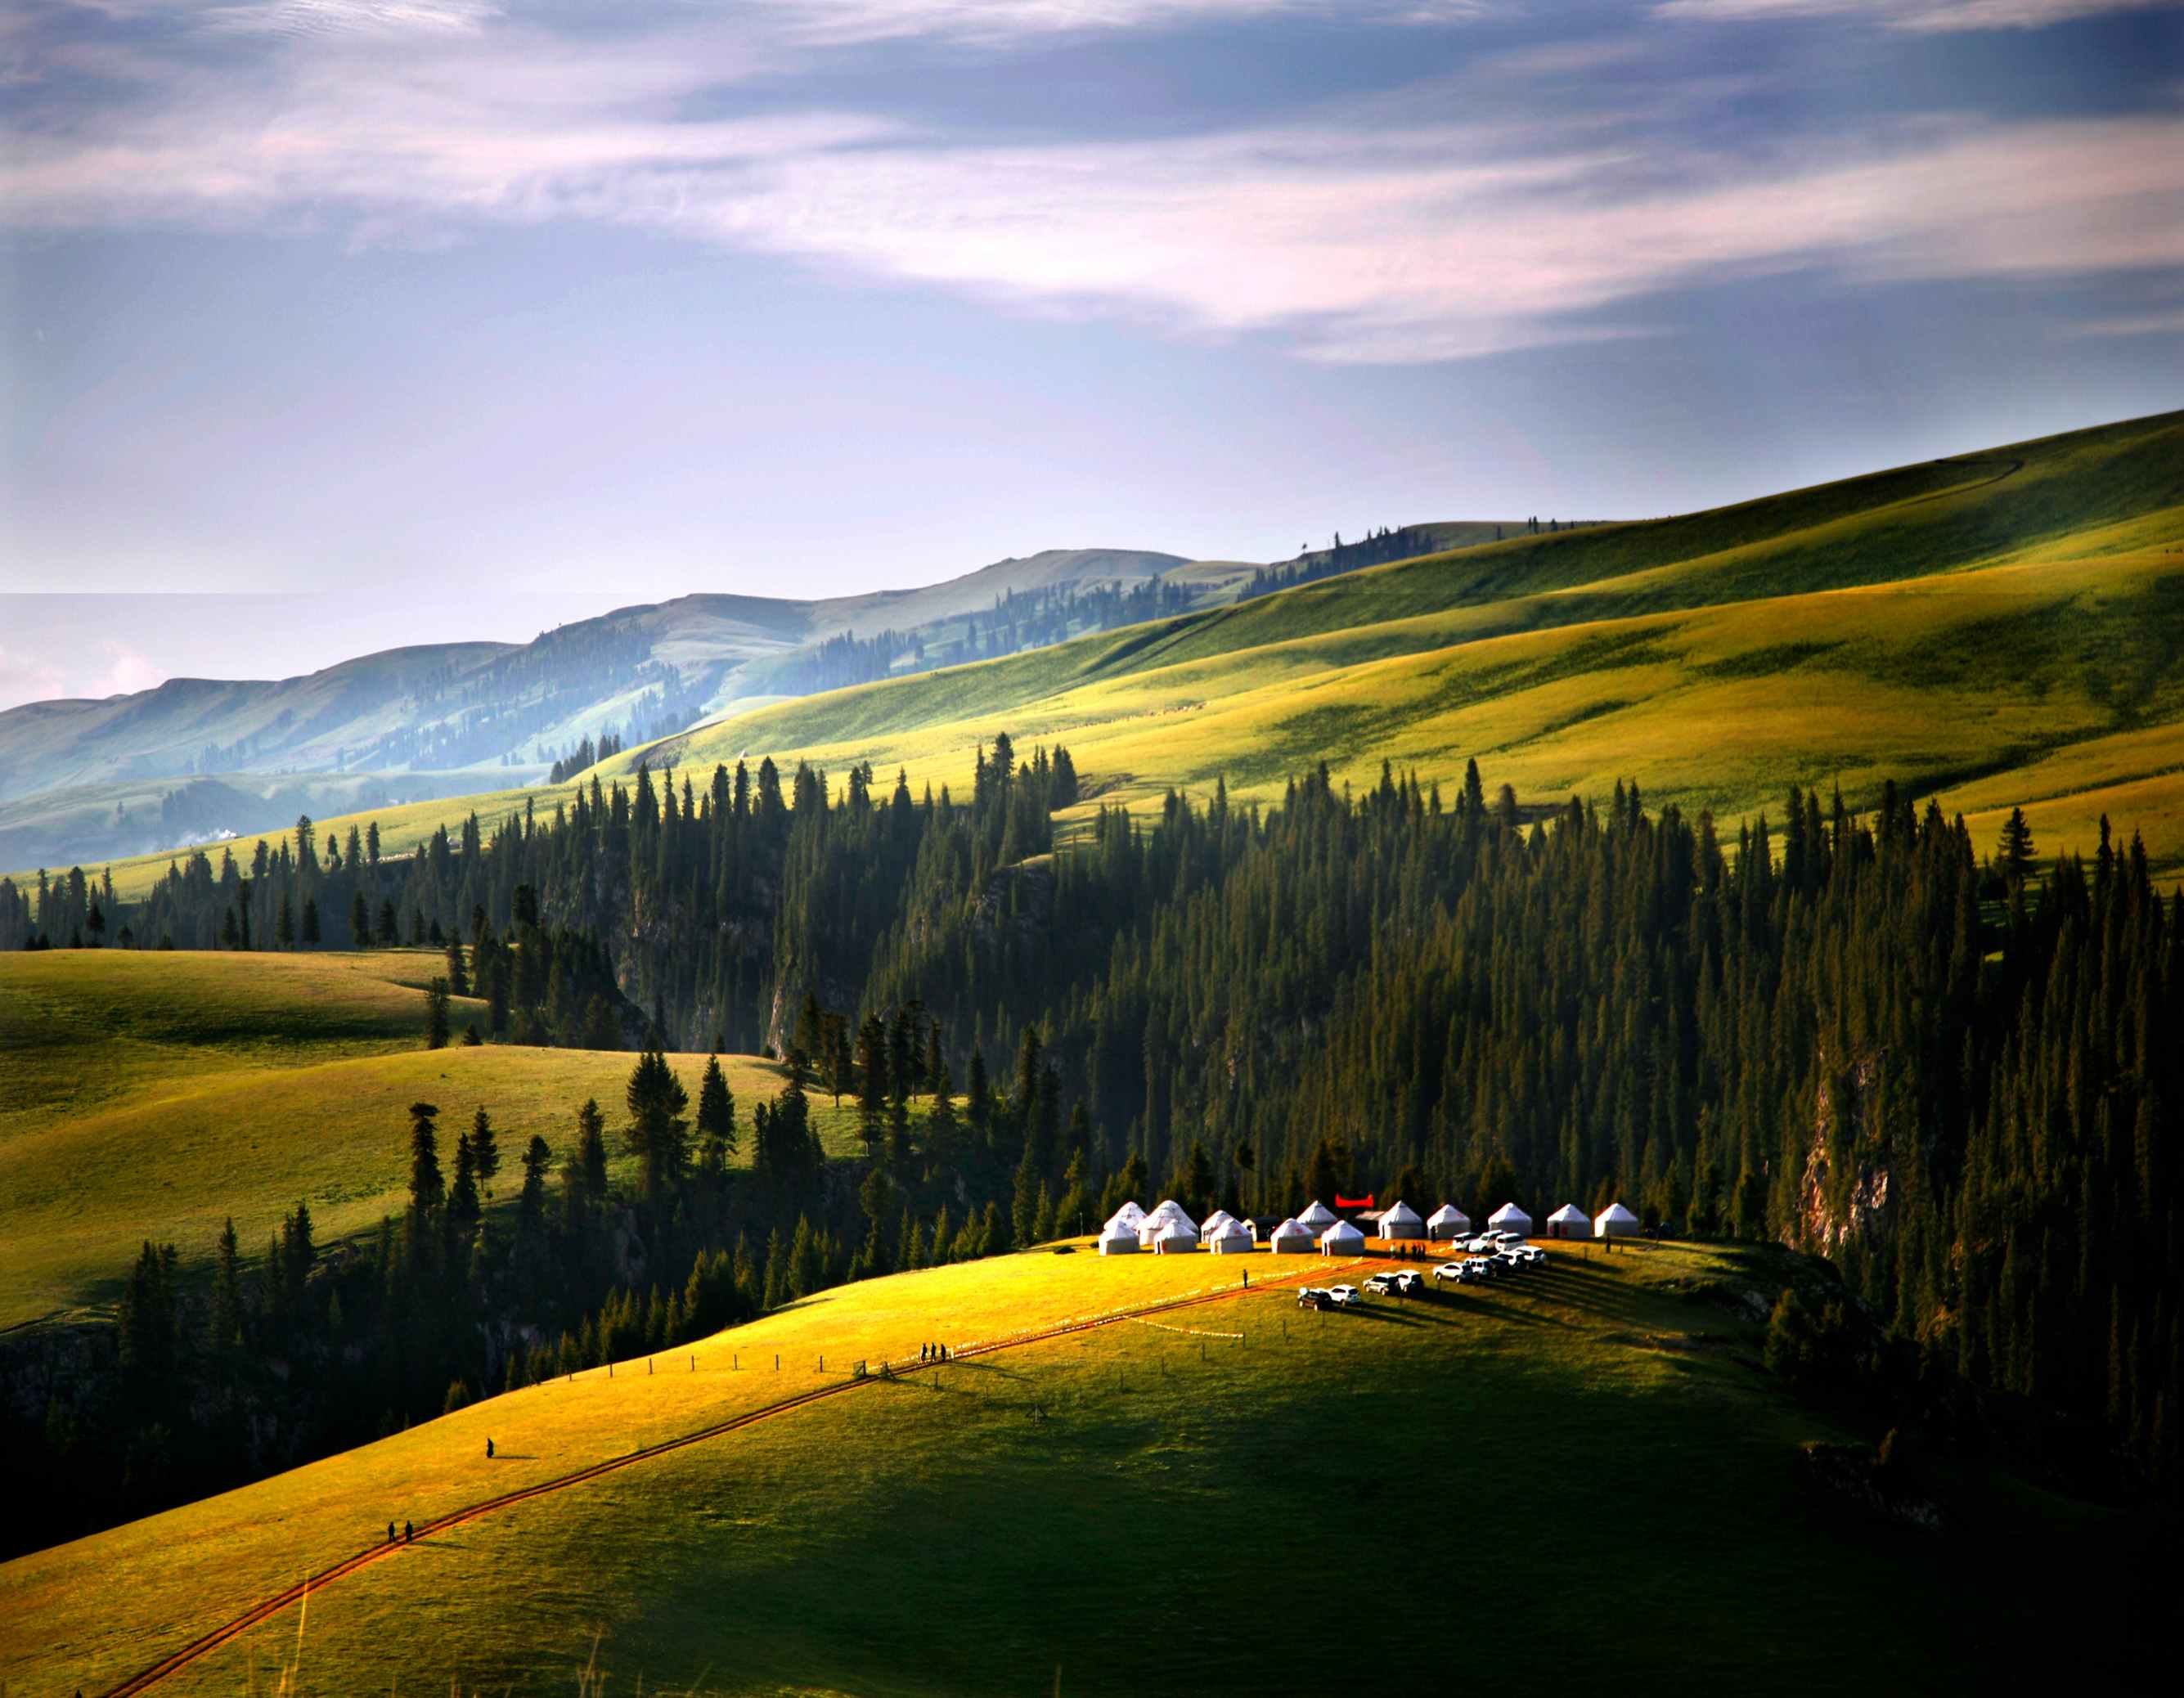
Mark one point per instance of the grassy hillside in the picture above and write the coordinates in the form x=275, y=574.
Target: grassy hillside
x=1998, y=628
x=153, y=1094
x=2010, y=623
x=1589, y=1468
x=126, y=817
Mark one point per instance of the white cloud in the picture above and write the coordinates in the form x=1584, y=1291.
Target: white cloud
x=123, y=671
x=1371, y=234
x=1926, y=17
x=27, y=677
x=999, y=21
x=336, y=17
x=103, y=667
x=2167, y=323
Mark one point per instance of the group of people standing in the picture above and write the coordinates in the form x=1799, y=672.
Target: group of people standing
x=932, y=1353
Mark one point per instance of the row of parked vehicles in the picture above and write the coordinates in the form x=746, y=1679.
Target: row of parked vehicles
x=1492, y=1256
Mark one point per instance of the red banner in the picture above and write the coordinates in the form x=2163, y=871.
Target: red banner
x=1364, y=1202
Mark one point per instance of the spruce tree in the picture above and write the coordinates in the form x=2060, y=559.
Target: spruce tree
x=872, y=1085
x=428, y=1190
x=657, y=1134
x=227, y=1317
x=716, y=1117
x=592, y=1150
x=485, y=1149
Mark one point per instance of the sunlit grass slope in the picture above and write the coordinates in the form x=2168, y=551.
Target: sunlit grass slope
x=1947, y=625
x=1590, y=1467
x=153, y=1094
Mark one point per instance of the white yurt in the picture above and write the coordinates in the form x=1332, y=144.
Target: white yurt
x=1509, y=1218
x=1401, y=1221
x=1131, y=1216
x=1169, y=1214
x=1317, y=1218
x=1447, y=1221
x=1118, y=1239
x=1291, y=1237
x=1569, y=1222
x=1614, y=1222
x=1233, y=1238
x=1213, y=1223
x=1177, y=1238
x=1342, y=1239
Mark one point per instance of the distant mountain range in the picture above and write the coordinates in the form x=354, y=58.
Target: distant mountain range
x=195, y=760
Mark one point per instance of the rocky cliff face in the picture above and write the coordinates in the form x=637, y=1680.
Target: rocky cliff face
x=1843, y=1190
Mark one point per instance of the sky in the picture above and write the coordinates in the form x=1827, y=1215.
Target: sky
x=327, y=326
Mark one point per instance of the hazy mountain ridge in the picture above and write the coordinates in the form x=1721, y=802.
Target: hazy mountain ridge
x=83, y=779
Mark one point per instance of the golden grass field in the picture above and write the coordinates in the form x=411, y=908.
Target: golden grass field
x=155, y=1094
x=1591, y=1460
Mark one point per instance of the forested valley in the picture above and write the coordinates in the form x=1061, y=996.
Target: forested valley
x=1950, y=1070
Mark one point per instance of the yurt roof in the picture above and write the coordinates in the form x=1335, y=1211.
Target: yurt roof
x=1116, y=1229
x=1507, y=1211
x=1344, y=1231
x=1447, y=1215
x=1174, y=1231
x=1168, y=1208
x=1233, y=1229
x=1617, y=1214
x=1400, y=1214
x=1292, y=1227
x=1219, y=1217
x=1130, y=1212
x=1317, y=1214
x=1568, y=1215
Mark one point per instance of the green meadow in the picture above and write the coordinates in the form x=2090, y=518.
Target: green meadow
x=1588, y=1467
x=1993, y=629
x=155, y=1094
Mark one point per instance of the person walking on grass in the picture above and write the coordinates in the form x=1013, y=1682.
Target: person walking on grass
x=409, y=1533
x=488, y=1449
x=390, y=1533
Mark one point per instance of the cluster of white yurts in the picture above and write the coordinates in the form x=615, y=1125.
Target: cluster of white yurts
x=1167, y=1230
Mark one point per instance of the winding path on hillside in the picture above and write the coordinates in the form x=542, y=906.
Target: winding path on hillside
x=259, y=1613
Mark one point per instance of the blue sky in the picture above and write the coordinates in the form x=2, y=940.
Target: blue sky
x=450, y=319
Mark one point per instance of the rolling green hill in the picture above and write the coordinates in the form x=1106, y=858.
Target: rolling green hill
x=1587, y=1470
x=154, y=1094
x=1999, y=628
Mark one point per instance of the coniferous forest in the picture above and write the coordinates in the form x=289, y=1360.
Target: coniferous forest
x=1948, y=1067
